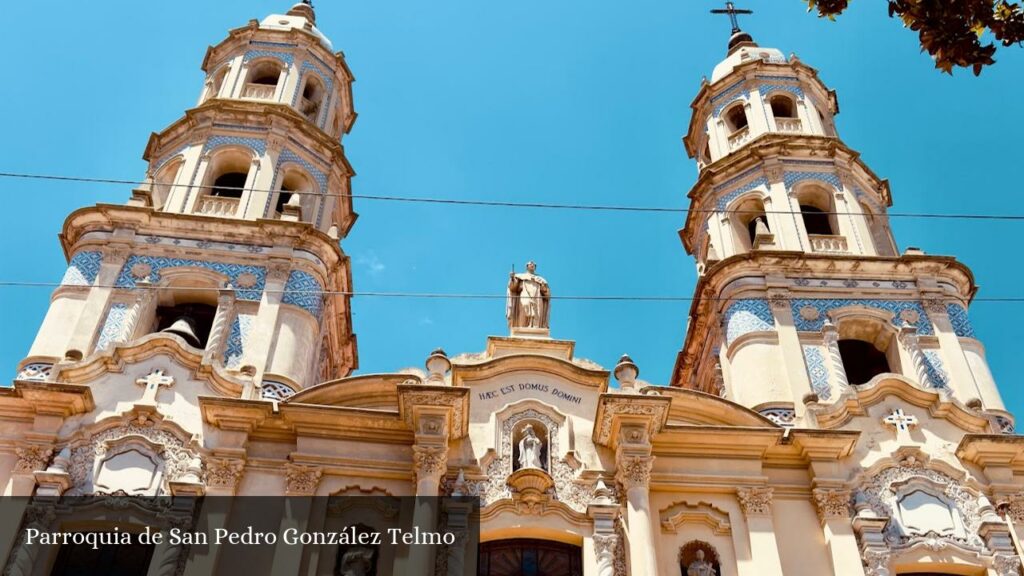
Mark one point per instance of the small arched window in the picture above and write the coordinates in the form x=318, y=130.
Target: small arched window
x=163, y=182
x=186, y=309
x=225, y=180
x=783, y=106
x=816, y=210
x=862, y=361
x=229, y=185
x=295, y=185
x=752, y=224
x=736, y=118
x=263, y=79
x=216, y=84
x=312, y=98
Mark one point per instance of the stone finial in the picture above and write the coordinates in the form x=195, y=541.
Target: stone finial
x=626, y=372
x=438, y=365
x=459, y=488
x=603, y=496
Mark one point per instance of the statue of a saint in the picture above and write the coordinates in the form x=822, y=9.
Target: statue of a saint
x=700, y=567
x=529, y=449
x=528, y=299
x=356, y=561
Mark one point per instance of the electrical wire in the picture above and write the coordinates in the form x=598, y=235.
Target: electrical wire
x=511, y=204
x=419, y=295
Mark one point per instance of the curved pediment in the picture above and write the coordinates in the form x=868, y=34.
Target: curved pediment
x=690, y=407
x=365, y=391
x=855, y=402
x=468, y=374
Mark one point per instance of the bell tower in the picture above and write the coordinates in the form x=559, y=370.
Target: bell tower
x=802, y=294
x=230, y=253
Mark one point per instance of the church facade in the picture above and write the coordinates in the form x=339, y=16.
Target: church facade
x=830, y=411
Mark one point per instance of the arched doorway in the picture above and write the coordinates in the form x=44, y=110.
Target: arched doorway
x=524, y=557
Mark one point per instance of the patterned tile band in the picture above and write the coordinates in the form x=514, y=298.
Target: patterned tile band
x=822, y=306
x=157, y=264
x=237, y=340
x=818, y=372
x=746, y=316
x=935, y=368
x=304, y=290
x=83, y=269
x=113, y=326
x=961, y=321
x=282, y=56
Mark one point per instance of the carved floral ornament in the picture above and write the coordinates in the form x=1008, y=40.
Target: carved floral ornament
x=435, y=398
x=166, y=448
x=568, y=488
x=31, y=458
x=224, y=472
x=634, y=471
x=429, y=461
x=656, y=407
x=755, y=501
x=302, y=479
x=832, y=503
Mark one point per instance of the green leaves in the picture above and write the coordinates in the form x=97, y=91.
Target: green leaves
x=951, y=31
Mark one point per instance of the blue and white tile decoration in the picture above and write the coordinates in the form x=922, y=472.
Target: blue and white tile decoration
x=304, y=290
x=237, y=340
x=310, y=68
x=168, y=157
x=817, y=371
x=113, y=326
x=766, y=89
x=268, y=44
x=255, y=144
x=777, y=78
x=232, y=271
x=285, y=57
x=826, y=305
x=724, y=201
x=793, y=178
x=83, y=269
x=730, y=95
x=746, y=316
x=936, y=370
x=960, y=320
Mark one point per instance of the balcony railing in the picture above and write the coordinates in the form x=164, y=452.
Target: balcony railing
x=739, y=138
x=259, y=91
x=788, y=125
x=217, y=206
x=828, y=244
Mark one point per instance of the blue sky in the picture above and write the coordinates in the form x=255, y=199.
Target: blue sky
x=574, y=101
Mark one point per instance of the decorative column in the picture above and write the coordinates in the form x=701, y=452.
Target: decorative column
x=911, y=343
x=830, y=335
x=22, y=561
x=756, y=502
x=790, y=348
x=628, y=424
x=145, y=296
x=870, y=530
x=999, y=539
x=605, y=513
x=86, y=328
x=633, y=463
x=264, y=328
x=301, y=482
x=223, y=475
x=219, y=329
x=833, y=506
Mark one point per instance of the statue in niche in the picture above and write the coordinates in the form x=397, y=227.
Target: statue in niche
x=700, y=566
x=528, y=299
x=356, y=562
x=529, y=449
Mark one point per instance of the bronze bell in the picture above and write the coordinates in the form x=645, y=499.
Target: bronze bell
x=185, y=327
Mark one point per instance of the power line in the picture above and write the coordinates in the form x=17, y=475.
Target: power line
x=511, y=204
x=422, y=295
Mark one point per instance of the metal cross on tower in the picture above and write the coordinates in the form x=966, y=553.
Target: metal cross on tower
x=732, y=11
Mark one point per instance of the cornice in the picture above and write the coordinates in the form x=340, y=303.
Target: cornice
x=713, y=288
x=767, y=146
x=257, y=114
x=146, y=220
x=468, y=374
x=694, y=408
